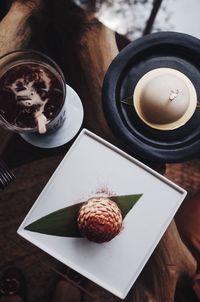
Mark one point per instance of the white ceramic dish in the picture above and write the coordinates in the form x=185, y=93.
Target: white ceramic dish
x=90, y=165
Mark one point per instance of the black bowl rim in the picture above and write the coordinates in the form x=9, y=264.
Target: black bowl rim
x=113, y=117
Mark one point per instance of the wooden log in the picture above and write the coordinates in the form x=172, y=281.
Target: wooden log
x=86, y=49
x=16, y=27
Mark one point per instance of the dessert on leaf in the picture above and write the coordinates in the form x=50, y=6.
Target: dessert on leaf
x=99, y=219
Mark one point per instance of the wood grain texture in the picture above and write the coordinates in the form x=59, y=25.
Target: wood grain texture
x=84, y=49
x=16, y=27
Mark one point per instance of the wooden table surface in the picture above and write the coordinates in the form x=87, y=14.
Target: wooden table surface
x=84, y=48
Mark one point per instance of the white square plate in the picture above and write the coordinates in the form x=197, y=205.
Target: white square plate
x=90, y=165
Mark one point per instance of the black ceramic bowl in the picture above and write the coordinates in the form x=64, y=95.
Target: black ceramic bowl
x=158, y=50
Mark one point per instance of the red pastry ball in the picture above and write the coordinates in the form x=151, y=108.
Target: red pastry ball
x=100, y=219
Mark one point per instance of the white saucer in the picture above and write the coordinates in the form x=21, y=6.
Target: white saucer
x=67, y=131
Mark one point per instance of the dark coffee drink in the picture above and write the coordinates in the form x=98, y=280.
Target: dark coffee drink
x=31, y=95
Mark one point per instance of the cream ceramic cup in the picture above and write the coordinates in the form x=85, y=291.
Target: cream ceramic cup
x=165, y=99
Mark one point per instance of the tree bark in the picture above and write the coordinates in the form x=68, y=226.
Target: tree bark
x=16, y=27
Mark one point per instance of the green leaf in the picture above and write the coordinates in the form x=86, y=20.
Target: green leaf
x=60, y=223
x=128, y=100
x=64, y=221
x=126, y=202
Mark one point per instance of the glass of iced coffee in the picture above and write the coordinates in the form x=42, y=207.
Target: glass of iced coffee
x=32, y=92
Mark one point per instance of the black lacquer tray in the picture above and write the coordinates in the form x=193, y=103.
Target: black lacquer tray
x=158, y=50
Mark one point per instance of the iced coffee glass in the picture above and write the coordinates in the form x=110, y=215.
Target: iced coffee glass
x=32, y=92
